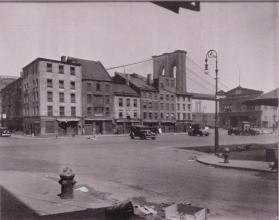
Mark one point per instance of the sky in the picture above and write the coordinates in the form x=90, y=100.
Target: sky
x=243, y=34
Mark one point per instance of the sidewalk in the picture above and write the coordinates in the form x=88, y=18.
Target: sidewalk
x=211, y=159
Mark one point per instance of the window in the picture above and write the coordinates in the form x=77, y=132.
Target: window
x=178, y=116
x=73, y=97
x=73, y=111
x=120, y=114
x=174, y=70
x=62, y=111
x=120, y=102
x=107, y=87
x=89, y=110
x=49, y=110
x=167, y=116
x=50, y=127
x=150, y=95
x=155, y=115
x=49, y=96
x=150, y=115
x=107, y=111
x=49, y=83
x=72, y=70
x=167, y=97
x=172, y=83
x=189, y=99
x=167, y=106
x=98, y=110
x=172, y=97
x=107, y=99
x=61, y=84
x=37, y=83
x=144, y=115
x=184, y=116
x=162, y=106
x=189, y=107
x=61, y=69
x=61, y=97
x=88, y=86
x=162, y=115
x=72, y=85
x=163, y=72
x=128, y=102
x=150, y=105
x=178, y=106
x=49, y=67
x=144, y=105
x=162, y=96
x=184, y=107
x=189, y=116
x=135, y=114
x=135, y=103
x=98, y=87
x=172, y=107
x=89, y=98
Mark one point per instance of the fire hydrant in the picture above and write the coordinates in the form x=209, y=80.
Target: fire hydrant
x=67, y=183
x=226, y=155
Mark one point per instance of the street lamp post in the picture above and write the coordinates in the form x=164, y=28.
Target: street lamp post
x=213, y=54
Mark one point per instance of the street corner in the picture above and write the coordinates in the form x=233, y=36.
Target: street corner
x=223, y=162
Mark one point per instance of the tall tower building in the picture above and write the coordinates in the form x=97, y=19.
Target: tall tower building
x=169, y=71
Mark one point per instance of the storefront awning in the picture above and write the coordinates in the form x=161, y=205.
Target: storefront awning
x=67, y=119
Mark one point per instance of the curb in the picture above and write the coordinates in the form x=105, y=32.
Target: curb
x=237, y=168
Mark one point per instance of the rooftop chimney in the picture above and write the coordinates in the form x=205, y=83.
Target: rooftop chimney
x=63, y=59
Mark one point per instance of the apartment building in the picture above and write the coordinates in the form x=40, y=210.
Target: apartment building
x=12, y=105
x=126, y=108
x=97, y=97
x=52, y=97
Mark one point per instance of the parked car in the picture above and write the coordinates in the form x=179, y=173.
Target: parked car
x=244, y=129
x=142, y=132
x=197, y=129
x=5, y=132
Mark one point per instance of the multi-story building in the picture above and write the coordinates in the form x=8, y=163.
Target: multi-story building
x=233, y=111
x=4, y=80
x=149, y=99
x=97, y=97
x=51, y=97
x=12, y=105
x=126, y=108
x=169, y=76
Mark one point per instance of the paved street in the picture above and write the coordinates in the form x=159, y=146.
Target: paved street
x=156, y=170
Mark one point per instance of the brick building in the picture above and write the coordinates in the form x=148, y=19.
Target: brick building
x=233, y=111
x=51, y=97
x=126, y=108
x=4, y=81
x=97, y=97
x=12, y=105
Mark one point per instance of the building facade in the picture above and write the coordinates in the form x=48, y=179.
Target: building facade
x=233, y=111
x=126, y=108
x=4, y=81
x=97, y=97
x=12, y=105
x=51, y=97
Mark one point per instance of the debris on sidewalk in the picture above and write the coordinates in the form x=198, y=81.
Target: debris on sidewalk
x=185, y=211
x=82, y=189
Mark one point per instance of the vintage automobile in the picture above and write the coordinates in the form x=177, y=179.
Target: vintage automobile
x=197, y=129
x=244, y=129
x=4, y=132
x=142, y=132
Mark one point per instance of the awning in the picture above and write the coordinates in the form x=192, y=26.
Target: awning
x=269, y=98
x=67, y=119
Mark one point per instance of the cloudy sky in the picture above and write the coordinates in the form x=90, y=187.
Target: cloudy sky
x=245, y=35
